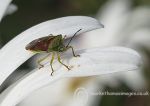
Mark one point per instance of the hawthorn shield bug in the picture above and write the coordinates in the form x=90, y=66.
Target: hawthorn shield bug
x=52, y=45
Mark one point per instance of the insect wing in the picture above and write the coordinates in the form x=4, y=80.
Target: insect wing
x=40, y=44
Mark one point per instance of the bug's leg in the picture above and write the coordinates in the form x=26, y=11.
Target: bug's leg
x=59, y=60
x=51, y=62
x=70, y=47
x=42, y=59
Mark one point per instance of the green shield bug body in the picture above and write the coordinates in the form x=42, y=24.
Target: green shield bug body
x=51, y=44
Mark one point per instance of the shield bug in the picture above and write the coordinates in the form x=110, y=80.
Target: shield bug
x=52, y=45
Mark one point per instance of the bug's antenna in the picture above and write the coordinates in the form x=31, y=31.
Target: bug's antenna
x=72, y=37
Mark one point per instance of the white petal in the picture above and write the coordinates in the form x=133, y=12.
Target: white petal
x=3, y=7
x=96, y=61
x=13, y=54
x=106, y=60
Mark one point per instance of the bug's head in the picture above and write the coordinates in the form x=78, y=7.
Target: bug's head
x=62, y=48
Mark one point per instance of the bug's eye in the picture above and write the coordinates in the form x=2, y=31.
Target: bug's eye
x=61, y=49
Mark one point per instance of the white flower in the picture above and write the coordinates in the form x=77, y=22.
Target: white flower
x=94, y=61
x=65, y=26
x=119, y=30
